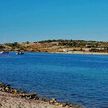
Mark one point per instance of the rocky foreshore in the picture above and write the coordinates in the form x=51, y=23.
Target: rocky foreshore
x=13, y=98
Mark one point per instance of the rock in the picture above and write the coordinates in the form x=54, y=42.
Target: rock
x=52, y=101
x=7, y=89
x=58, y=104
x=64, y=104
x=29, y=96
x=43, y=99
x=15, y=91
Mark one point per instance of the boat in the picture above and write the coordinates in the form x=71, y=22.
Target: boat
x=4, y=52
x=19, y=53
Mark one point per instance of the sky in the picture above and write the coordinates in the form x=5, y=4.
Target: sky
x=33, y=20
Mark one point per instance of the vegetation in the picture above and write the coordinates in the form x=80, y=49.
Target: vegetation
x=57, y=46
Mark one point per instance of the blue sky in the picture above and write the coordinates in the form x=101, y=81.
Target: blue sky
x=32, y=20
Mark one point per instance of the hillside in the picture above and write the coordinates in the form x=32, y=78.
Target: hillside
x=57, y=46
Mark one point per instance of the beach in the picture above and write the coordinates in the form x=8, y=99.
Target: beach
x=13, y=98
x=81, y=52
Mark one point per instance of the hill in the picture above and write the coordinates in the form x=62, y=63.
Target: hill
x=57, y=46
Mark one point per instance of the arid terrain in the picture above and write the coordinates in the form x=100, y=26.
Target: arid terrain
x=65, y=46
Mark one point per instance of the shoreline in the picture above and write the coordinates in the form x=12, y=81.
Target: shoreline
x=80, y=52
x=14, y=98
x=73, y=52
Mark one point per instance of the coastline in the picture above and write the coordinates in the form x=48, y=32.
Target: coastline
x=14, y=98
x=80, y=52
x=70, y=52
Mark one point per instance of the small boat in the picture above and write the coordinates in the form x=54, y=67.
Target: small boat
x=19, y=53
x=4, y=52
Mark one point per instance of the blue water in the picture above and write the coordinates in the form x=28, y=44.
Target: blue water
x=81, y=79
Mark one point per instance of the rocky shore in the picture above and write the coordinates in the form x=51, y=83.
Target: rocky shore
x=13, y=98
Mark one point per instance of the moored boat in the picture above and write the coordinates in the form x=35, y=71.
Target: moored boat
x=19, y=53
x=4, y=52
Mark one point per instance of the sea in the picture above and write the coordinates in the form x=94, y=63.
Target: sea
x=75, y=78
